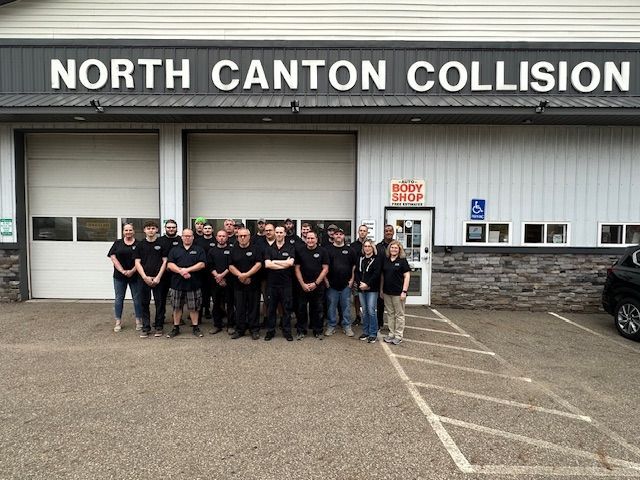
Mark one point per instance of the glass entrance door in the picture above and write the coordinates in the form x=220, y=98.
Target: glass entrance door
x=413, y=231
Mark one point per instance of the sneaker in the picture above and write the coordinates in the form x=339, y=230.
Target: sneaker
x=318, y=335
x=357, y=321
x=372, y=339
x=396, y=341
x=268, y=336
x=158, y=333
x=289, y=337
x=197, y=332
x=236, y=335
x=349, y=332
x=364, y=336
x=329, y=331
x=255, y=335
x=174, y=331
x=231, y=331
x=118, y=326
x=300, y=336
x=215, y=331
x=144, y=334
x=138, y=324
x=388, y=339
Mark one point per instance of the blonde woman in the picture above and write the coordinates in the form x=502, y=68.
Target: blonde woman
x=367, y=282
x=122, y=255
x=395, y=284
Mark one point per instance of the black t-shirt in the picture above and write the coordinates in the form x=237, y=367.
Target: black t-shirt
x=394, y=275
x=232, y=240
x=126, y=255
x=368, y=270
x=151, y=255
x=357, y=248
x=169, y=242
x=341, y=263
x=280, y=278
x=311, y=262
x=184, y=258
x=382, y=248
x=244, y=259
x=294, y=240
x=206, y=243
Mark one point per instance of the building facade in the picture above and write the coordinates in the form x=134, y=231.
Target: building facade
x=500, y=141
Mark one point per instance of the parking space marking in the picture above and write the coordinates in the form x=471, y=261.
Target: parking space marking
x=581, y=327
x=511, y=403
x=436, y=319
x=538, y=443
x=452, y=448
x=453, y=347
x=459, y=367
x=437, y=331
x=518, y=470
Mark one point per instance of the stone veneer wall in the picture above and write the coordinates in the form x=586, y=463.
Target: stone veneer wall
x=9, y=276
x=556, y=282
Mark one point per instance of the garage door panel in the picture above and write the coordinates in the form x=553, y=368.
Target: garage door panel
x=92, y=146
x=94, y=174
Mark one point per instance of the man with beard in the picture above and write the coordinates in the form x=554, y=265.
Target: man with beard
x=169, y=240
x=339, y=280
x=206, y=242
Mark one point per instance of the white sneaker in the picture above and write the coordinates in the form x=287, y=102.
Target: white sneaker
x=329, y=331
x=396, y=341
x=138, y=324
x=388, y=339
x=349, y=332
x=118, y=326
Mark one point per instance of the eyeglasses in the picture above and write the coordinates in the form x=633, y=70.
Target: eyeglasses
x=240, y=236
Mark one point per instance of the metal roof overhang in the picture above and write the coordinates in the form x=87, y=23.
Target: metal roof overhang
x=392, y=109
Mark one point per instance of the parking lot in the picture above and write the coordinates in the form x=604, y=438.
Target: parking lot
x=468, y=394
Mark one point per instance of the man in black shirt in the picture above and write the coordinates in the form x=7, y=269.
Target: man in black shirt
x=356, y=246
x=186, y=261
x=381, y=248
x=229, y=226
x=278, y=261
x=206, y=242
x=169, y=240
x=312, y=265
x=151, y=262
x=220, y=280
x=245, y=262
x=339, y=280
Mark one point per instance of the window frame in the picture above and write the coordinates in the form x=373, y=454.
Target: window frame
x=545, y=225
x=487, y=224
x=624, y=226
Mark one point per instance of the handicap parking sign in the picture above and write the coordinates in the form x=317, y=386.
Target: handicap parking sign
x=477, y=209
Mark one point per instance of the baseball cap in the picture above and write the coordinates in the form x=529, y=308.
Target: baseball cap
x=333, y=227
x=262, y=220
x=288, y=220
x=200, y=220
x=340, y=229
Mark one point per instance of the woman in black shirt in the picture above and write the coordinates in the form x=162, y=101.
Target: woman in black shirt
x=395, y=284
x=367, y=282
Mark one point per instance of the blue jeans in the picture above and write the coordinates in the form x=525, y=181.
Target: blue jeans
x=344, y=298
x=120, y=287
x=368, y=301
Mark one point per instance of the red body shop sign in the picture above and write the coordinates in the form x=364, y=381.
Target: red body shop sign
x=407, y=193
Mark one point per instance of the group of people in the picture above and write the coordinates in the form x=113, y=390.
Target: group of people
x=225, y=276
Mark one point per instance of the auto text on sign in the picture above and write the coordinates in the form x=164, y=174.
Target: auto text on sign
x=407, y=193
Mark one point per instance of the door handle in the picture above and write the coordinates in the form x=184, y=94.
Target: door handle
x=426, y=249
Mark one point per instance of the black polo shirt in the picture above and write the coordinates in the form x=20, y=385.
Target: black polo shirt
x=382, y=248
x=151, y=255
x=126, y=255
x=357, y=248
x=169, y=242
x=311, y=262
x=393, y=273
x=184, y=258
x=341, y=263
x=206, y=243
x=244, y=259
x=218, y=258
x=280, y=278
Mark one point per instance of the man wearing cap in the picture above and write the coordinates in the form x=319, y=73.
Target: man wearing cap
x=327, y=237
x=260, y=224
x=339, y=280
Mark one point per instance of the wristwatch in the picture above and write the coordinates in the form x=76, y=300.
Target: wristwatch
x=404, y=291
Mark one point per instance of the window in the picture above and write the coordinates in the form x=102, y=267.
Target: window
x=320, y=227
x=487, y=233
x=619, y=234
x=551, y=233
x=92, y=229
x=57, y=229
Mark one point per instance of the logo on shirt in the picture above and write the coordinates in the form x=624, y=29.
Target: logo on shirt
x=133, y=248
x=157, y=247
x=227, y=252
x=316, y=255
x=212, y=244
x=174, y=243
x=193, y=252
x=249, y=254
x=345, y=252
x=396, y=264
x=285, y=254
x=292, y=241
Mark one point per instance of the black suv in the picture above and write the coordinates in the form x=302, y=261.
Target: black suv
x=621, y=294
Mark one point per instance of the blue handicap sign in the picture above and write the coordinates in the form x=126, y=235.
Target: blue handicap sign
x=477, y=209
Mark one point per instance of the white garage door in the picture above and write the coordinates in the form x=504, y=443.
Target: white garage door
x=272, y=175
x=80, y=188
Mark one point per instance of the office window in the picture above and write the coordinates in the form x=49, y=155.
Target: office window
x=487, y=233
x=545, y=234
x=619, y=234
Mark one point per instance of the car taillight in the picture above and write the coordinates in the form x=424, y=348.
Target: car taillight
x=609, y=271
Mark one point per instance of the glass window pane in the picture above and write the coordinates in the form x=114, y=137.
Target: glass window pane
x=138, y=225
x=57, y=229
x=498, y=233
x=557, y=233
x=92, y=229
x=476, y=232
x=533, y=233
x=633, y=234
x=611, y=234
x=415, y=282
x=320, y=227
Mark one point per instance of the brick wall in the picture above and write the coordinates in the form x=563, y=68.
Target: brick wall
x=557, y=282
x=9, y=276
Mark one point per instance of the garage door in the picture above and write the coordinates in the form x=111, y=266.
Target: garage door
x=274, y=176
x=80, y=189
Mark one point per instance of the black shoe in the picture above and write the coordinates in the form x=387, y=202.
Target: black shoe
x=255, y=335
x=197, y=332
x=174, y=331
x=289, y=337
x=357, y=321
x=237, y=335
x=268, y=336
x=372, y=339
x=364, y=336
x=318, y=335
x=215, y=330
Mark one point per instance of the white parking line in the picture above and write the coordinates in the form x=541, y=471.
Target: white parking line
x=456, y=455
x=539, y=443
x=628, y=347
x=453, y=347
x=511, y=403
x=437, y=319
x=589, y=472
x=465, y=369
x=423, y=329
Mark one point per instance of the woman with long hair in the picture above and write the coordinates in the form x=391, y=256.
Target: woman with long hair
x=395, y=285
x=367, y=282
